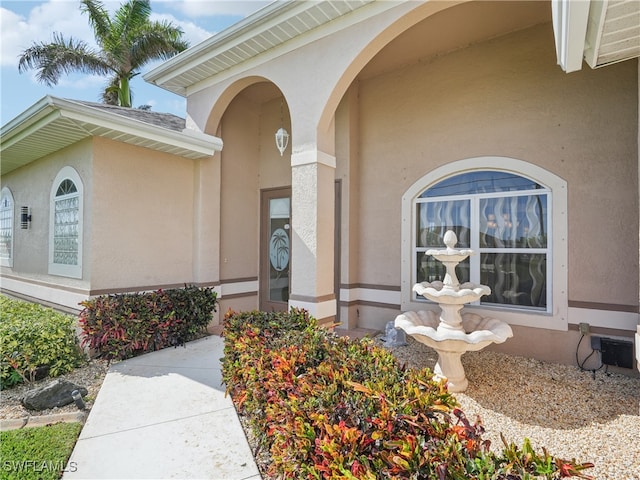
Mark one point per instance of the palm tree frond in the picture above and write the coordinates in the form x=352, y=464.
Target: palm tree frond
x=98, y=19
x=126, y=41
x=110, y=92
x=60, y=57
x=131, y=17
x=159, y=41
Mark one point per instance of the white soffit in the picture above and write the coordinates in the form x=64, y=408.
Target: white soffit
x=54, y=123
x=613, y=32
x=265, y=30
x=602, y=32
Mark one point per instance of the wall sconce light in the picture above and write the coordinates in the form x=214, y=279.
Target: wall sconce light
x=282, y=136
x=25, y=218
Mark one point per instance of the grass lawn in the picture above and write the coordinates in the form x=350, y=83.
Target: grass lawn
x=37, y=453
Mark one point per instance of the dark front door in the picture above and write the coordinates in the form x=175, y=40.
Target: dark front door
x=275, y=249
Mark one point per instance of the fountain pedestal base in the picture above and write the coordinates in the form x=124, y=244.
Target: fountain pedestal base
x=449, y=367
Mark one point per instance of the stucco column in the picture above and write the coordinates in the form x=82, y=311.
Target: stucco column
x=312, y=237
x=206, y=224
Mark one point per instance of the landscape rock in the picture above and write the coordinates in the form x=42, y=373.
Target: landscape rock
x=53, y=394
x=394, y=337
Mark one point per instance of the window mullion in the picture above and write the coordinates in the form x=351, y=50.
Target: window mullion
x=474, y=260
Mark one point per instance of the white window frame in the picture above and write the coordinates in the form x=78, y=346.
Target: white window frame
x=72, y=271
x=6, y=193
x=556, y=318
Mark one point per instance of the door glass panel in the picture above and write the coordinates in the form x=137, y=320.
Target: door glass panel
x=279, y=249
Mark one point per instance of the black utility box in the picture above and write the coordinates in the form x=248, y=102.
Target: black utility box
x=616, y=352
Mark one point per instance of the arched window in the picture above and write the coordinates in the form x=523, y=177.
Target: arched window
x=6, y=228
x=65, y=234
x=501, y=216
x=505, y=214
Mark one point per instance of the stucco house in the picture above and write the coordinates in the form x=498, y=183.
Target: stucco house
x=513, y=123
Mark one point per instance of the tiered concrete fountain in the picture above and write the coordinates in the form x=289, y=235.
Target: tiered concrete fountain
x=451, y=333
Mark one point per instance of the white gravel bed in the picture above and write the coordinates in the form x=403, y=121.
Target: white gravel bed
x=558, y=407
x=89, y=376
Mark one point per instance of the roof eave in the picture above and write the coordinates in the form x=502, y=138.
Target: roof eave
x=200, y=142
x=49, y=109
x=192, y=56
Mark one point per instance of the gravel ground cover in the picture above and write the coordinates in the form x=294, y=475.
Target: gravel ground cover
x=89, y=376
x=556, y=406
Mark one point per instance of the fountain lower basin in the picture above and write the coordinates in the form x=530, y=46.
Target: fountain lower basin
x=476, y=333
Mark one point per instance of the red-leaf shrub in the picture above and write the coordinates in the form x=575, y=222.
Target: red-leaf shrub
x=124, y=325
x=327, y=407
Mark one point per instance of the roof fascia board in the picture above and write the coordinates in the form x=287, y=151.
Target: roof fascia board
x=49, y=109
x=30, y=121
x=219, y=44
x=29, y=130
x=196, y=141
x=38, y=113
x=266, y=17
x=570, y=19
x=595, y=28
x=341, y=23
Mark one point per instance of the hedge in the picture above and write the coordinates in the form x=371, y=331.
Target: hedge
x=328, y=407
x=125, y=325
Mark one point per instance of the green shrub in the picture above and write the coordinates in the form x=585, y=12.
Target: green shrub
x=125, y=325
x=329, y=407
x=35, y=340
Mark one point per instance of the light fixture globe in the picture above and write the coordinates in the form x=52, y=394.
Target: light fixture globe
x=282, y=140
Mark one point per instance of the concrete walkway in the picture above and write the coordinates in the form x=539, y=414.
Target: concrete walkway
x=164, y=415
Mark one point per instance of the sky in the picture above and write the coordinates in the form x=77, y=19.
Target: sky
x=23, y=22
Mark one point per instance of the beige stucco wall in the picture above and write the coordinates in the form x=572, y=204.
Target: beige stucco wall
x=347, y=170
x=402, y=119
x=239, y=196
x=250, y=163
x=31, y=186
x=507, y=97
x=143, y=217
x=274, y=170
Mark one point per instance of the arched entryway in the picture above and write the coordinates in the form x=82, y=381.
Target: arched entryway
x=254, y=197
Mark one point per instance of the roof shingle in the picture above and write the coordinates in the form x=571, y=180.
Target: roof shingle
x=165, y=120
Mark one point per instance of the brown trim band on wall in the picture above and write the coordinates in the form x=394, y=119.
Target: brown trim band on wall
x=366, y=303
x=53, y=305
x=611, y=307
x=305, y=298
x=613, y=332
x=237, y=280
x=40, y=283
x=150, y=288
x=234, y=296
x=178, y=285
x=370, y=286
